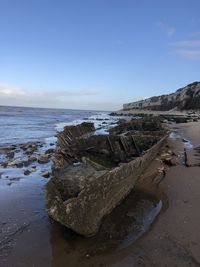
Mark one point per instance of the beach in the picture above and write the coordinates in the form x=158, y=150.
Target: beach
x=25, y=167
x=174, y=238
x=156, y=225
x=99, y=133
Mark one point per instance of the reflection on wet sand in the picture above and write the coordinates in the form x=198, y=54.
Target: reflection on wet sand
x=129, y=221
x=29, y=238
x=34, y=239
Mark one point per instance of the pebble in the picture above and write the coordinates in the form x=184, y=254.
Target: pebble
x=27, y=172
x=43, y=159
x=45, y=174
x=50, y=151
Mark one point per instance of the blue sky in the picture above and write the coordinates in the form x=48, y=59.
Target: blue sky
x=96, y=54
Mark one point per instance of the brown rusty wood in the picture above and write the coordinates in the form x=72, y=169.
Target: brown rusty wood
x=136, y=146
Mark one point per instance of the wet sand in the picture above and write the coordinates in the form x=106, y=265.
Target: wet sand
x=174, y=239
x=135, y=234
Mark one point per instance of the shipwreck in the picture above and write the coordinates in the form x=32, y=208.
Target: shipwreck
x=93, y=173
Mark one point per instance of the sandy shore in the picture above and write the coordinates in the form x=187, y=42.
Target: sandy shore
x=175, y=238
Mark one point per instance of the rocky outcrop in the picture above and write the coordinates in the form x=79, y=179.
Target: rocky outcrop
x=185, y=98
x=105, y=171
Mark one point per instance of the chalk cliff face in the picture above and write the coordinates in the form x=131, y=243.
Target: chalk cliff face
x=185, y=98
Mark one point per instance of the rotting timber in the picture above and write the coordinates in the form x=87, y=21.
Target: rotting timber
x=94, y=173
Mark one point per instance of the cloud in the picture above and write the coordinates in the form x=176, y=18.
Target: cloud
x=73, y=93
x=80, y=98
x=14, y=91
x=189, y=49
x=10, y=90
x=189, y=54
x=169, y=30
x=187, y=43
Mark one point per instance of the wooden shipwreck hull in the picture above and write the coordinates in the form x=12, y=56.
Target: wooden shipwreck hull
x=94, y=173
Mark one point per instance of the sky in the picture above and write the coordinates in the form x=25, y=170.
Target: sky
x=96, y=54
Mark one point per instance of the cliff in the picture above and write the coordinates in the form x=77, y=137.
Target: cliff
x=185, y=98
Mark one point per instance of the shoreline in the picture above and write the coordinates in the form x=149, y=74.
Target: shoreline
x=155, y=112
x=174, y=238
x=148, y=250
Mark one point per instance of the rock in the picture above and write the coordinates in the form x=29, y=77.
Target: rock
x=10, y=154
x=14, y=179
x=169, y=162
x=19, y=164
x=27, y=172
x=186, y=98
x=43, y=159
x=32, y=159
x=49, y=155
x=45, y=174
x=23, y=147
x=33, y=169
x=4, y=164
x=27, y=163
x=30, y=151
x=50, y=151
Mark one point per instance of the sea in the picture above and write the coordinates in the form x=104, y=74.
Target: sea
x=22, y=124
